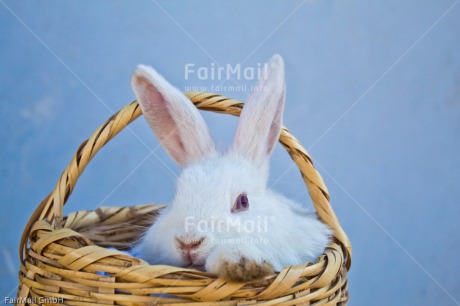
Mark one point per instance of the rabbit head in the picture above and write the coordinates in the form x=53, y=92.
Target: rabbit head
x=221, y=198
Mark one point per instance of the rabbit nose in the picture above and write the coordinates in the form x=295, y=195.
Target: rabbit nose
x=188, y=246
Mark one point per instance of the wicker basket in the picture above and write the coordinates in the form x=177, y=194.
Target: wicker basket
x=64, y=259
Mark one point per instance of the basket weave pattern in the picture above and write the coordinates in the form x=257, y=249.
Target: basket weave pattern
x=65, y=257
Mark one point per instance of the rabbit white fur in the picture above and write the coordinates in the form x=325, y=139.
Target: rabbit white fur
x=244, y=245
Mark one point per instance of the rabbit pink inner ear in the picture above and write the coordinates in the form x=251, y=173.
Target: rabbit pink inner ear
x=159, y=118
x=176, y=122
x=261, y=118
x=276, y=126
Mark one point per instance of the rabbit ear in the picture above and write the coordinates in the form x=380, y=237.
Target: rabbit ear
x=176, y=122
x=261, y=118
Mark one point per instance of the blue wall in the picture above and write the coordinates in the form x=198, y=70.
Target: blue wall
x=373, y=91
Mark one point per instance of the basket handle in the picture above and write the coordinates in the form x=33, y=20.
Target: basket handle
x=51, y=207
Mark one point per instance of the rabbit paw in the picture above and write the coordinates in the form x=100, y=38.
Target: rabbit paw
x=236, y=266
x=245, y=269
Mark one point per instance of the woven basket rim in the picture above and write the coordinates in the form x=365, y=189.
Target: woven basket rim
x=50, y=210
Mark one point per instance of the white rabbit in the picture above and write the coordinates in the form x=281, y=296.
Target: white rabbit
x=224, y=218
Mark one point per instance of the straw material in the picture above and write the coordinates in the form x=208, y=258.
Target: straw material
x=65, y=260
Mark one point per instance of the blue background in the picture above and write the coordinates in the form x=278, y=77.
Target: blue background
x=373, y=92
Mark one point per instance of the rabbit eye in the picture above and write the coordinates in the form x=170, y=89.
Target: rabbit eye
x=241, y=203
